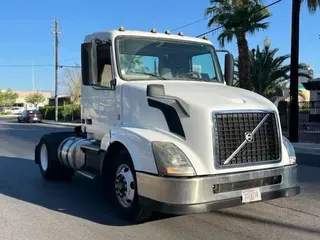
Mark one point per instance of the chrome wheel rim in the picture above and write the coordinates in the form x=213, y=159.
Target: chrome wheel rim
x=44, y=157
x=124, y=186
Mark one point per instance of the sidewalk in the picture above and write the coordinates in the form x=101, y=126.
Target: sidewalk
x=8, y=116
x=69, y=124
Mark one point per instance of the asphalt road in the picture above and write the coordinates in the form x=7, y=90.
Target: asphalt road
x=31, y=208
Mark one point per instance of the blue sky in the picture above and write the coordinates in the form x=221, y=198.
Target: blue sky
x=26, y=37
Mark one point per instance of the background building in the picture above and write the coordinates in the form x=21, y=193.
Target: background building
x=21, y=100
x=306, y=69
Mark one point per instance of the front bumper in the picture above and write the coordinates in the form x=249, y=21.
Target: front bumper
x=205, y=194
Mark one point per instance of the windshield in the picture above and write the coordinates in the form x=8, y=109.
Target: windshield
x=147, y=59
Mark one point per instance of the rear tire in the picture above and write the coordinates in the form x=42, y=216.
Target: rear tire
x=122, y=186
x=50, y=167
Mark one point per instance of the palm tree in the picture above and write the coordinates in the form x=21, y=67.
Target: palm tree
x=238, y=17
x=132, y=62
x=313, y=5
x=268, y=71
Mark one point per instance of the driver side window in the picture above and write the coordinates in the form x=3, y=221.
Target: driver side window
x=203, y=64
x=104, y=67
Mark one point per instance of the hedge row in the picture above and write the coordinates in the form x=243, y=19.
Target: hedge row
x=65, y=113
x=6, y=113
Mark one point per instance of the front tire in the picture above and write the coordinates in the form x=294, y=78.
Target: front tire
x=122, y=184
x=50, y=167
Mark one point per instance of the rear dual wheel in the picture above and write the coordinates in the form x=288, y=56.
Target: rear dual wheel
x=50, y=167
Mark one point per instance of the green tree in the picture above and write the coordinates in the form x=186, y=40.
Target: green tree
x=35, y=98
x=7, y=98
x=132, y=63
x=238, y=17
x=268, y=71
x=72, y=83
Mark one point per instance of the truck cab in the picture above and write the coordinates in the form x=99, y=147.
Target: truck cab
x=165, y=130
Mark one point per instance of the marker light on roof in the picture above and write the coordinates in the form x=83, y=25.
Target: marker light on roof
x=205, y=38
x=167, y=32
x=153, y=30
x=121, y=29
x=180, y=34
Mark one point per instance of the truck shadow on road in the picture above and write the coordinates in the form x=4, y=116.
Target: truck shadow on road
x=81, y=197
x=271, y=223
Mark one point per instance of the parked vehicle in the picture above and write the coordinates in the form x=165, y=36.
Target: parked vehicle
x=165, y=130
x=14, y=110
x=29, y=116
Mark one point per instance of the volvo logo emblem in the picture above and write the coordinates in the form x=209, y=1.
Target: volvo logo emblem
x=249, y=137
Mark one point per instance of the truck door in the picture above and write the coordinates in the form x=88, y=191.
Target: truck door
x=104, y=92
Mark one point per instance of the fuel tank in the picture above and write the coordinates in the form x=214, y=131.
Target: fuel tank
x=70, y=153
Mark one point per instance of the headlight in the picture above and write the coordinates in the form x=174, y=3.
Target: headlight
x=170, y=160
x=290, y=150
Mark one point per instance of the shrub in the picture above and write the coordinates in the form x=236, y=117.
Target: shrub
x=66, y=113
x=6, y=113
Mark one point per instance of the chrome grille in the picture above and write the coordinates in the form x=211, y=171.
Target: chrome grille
x=234, y=145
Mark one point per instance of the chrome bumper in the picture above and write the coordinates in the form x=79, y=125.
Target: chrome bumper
x=179, y=195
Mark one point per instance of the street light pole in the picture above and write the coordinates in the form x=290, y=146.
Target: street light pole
x=294, y=107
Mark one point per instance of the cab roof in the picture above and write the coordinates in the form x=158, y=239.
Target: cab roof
x=112, y=34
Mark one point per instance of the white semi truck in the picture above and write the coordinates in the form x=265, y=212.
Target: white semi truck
x=165, y=131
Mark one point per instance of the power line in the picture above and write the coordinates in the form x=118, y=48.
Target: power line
x=36, y=65
x=189, y=24
x=26, y=65
x=63, y=66
x=215, y=29
x=22, y=21
x=67, y=60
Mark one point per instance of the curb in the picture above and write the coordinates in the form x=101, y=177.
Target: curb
x=8, y=116
x=311, y=149
x=308, y=159
x=61, y=123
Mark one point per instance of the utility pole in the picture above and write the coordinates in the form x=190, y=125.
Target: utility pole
x=294, y=81
x=55, y=31
x=32, y=77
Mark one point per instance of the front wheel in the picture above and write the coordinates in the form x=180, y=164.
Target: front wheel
x=123, y=185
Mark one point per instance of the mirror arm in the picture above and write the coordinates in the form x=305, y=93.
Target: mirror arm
x=99, y=41
x=221, y=50
x=113, y=83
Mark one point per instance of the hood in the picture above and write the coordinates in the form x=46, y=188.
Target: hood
x=213, y=96
x=190, y=126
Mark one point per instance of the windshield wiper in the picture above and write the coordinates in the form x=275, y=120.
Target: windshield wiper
x=152, y=74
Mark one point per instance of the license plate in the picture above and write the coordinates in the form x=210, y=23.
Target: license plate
x=251, y=195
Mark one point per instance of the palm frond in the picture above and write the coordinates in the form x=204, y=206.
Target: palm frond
x=268, y=71
x=313, y=5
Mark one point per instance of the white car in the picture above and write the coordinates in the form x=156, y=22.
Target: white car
x=14, y=110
